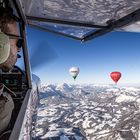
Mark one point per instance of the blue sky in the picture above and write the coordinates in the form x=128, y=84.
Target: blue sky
x=116, y=51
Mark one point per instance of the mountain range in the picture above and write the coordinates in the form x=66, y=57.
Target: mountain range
x=88, y=112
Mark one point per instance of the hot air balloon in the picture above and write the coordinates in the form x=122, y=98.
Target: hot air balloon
x=74, y=71
x=115, y=76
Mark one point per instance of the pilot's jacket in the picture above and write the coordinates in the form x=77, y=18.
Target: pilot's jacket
x=6, y=108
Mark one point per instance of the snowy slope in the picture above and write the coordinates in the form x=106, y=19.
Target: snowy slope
x=88, y=112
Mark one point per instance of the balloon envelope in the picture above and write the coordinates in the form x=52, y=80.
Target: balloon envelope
x=115, y=76
x=74, y=71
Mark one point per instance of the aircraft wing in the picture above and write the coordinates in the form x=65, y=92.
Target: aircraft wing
x=83, y=19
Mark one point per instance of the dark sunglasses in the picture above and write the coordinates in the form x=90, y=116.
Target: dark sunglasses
x=19, y=43
x=20, y=39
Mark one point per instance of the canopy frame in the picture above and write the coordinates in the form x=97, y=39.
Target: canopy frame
x=100, y=30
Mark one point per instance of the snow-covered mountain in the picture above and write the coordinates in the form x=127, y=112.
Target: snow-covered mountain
x=88, y=112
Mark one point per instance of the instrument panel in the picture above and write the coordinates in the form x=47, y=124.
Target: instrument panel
x=13, y=79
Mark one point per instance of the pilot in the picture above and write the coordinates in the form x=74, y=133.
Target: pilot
x=8, y=25
x=8, y=58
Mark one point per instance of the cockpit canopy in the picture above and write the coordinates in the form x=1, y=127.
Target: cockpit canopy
x=83, y=19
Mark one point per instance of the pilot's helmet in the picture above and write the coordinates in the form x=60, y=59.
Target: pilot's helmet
x=4, y=47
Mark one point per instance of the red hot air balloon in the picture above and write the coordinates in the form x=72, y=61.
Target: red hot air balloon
x=115, y=76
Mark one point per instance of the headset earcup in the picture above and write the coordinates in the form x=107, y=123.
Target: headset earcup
x=4, y=47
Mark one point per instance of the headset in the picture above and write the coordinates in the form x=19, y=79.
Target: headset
x=4, y=47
